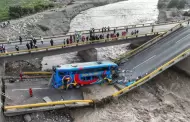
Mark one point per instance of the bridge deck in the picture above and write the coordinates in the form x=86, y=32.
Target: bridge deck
x=156, y=55
x=18, y=94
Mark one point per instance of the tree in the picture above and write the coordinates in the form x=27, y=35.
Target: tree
x=173, y=3
x=181, y=4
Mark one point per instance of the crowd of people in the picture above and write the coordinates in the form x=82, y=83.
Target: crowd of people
x=106, y=34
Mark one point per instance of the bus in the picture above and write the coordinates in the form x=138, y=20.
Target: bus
x=79, y=74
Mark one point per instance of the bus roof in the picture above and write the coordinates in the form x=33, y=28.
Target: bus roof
x=86, y=65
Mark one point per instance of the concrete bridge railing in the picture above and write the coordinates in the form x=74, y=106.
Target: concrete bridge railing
x=45, y=49
x=96, y=31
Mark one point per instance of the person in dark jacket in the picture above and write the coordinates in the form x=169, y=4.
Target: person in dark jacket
x=28, y=46
x=34, y=41
x=117, y=35
x=51, y=42
x=114, y=30
x=67, y=41
x=31, y=44
x=20, y=39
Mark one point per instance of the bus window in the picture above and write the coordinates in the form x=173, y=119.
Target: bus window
x=63, y=73
x=88, y=78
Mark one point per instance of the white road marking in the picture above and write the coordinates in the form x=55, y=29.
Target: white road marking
x=144, y=62
x=28, y=89
x=182, y=38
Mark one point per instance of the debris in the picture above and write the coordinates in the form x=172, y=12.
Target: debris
x=27, y=118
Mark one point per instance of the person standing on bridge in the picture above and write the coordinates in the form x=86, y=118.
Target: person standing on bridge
x=34, y=41
x=31, y=44
x=51, y=42
x=108, y=29
x=132, y=33
x=28, y=46
x=114, y=30
x=16, y=47
x=126, y=30
x=137, y=31
x=67, y=41
x=20, y=39
x=117, y=34
x=87, y=38
x=64, y=42
x=3, y=47
x=42, y=39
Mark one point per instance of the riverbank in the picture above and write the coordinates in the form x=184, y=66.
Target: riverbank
x=50, y=22
x=171, y=14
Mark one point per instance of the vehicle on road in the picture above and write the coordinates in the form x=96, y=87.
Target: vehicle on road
x=79, y=74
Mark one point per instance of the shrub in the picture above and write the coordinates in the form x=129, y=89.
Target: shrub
x=173, y=3
x=27, y=10
x=38, y=8
x=181, y=4
x=160, y=5
x=19, y=11
x=51, y=5
x=15, y=11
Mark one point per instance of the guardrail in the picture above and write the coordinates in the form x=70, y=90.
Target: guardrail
x=75, y=44
x=124, y=90
x=98, y=30
x=47, y=104
x=145, y=45
x=36, y=73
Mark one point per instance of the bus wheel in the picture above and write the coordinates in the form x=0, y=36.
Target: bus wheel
x=77, y=86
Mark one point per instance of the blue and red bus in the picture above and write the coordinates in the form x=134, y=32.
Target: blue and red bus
x=79, y=74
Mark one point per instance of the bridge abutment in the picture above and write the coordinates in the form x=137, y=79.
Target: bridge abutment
x=184, y=65
x=88, y=55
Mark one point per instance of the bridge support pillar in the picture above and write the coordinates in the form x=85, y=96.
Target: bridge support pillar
x=2, y=70
x=184, y=65
x=88, y=55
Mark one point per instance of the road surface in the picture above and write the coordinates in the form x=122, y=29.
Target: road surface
x=156, y=55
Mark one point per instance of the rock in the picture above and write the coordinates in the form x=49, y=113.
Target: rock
x=27, y=118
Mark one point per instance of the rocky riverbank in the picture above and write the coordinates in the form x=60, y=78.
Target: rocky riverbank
x=171, y=14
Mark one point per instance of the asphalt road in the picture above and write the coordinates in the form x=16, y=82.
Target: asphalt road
x=156, y=55
x=59, y=40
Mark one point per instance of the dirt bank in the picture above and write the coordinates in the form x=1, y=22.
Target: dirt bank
x=171, y=14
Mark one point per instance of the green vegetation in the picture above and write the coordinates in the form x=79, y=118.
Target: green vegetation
x=161, y=5
x=177, y=4
x=11, y=9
